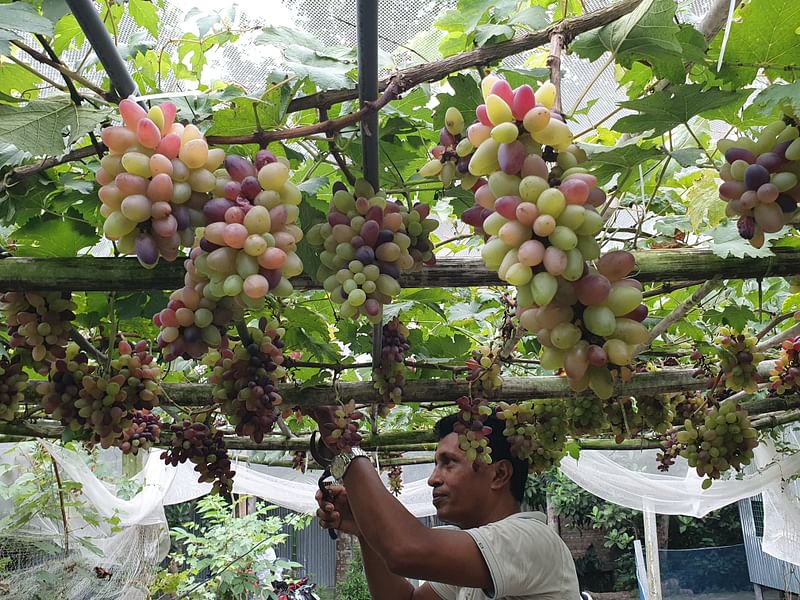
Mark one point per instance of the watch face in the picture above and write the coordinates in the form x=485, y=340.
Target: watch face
x=339, y=466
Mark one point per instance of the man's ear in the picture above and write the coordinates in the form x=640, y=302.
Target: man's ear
x=503, y=471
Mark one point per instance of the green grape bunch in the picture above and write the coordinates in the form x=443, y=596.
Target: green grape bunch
x=739, y=359
x=389, y=378
x=13, y=381
x=536, y=432
x=723, y=442
x=484, y=371
x=452, y=155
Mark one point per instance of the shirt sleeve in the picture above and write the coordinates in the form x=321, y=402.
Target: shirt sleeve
x=521, y=557
x=444, y=591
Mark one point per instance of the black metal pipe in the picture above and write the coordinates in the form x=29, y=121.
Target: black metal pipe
x=367, y=26
x=100, y=40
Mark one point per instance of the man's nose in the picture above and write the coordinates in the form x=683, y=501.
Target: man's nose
x=434, y=479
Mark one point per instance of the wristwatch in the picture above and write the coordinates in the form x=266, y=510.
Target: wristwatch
x=341, y=462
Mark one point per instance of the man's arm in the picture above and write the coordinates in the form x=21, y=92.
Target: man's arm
x=403, y=544
x=386, y=585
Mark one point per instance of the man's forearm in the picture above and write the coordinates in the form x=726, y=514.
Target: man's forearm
x=382, y=582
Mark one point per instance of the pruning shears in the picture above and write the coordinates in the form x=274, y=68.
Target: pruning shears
x=323, y=458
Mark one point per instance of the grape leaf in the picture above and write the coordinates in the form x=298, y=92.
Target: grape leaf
x=765, y=36
x=607, y=163
x=703, y=204
x=145, y=14
x=466, y=97
x=648, y=34
x=661, y=111
x=726, y=241
x=486, y=34
x=20, y=17
x=777, y=98
x=39, y=127
x=53, y=237
x=533, y=17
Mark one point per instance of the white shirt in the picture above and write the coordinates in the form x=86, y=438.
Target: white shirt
x=527, y=560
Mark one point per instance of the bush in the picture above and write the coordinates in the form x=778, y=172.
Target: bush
x=354, y=586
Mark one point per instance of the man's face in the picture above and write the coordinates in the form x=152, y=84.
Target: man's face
x=459, y=491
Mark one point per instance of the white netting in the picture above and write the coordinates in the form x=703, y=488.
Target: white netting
x=132, y=549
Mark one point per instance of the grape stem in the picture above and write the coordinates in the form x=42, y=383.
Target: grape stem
x=87, y=346
x=778, y=339
x=773, y=323
x=61, y=505
x=681, y=311
x=334, y=150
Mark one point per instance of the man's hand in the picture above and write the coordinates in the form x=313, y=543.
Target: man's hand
x=336, y=514
x=325, y=416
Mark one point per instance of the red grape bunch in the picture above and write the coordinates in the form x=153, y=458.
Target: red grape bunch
x=592, y=326
x=785, y=375
x=724, y=441
x=368, y=241
x=143, y=434
x=251, y=236
x=13, y=381
x=451, y=157
x=738, y=359
x=688, y=406
x=39, y=324
x=245, y=379
x=471, y=429
x=205, y=449
x=344, y=430
x=396, y=480
x=760, y=180
x=141, y=373
x=155, y=179
x=536, y=431
x=192, y=321
x=60, y=394
x=389, y=378
x=299, y=461
x=484, y=371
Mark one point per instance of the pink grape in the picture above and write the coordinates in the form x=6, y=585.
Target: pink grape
x=616, y=265
x=169, y=146
x=232, y=190
x=146, y=251
x=597, y=356
x=239, y=167
x=250, y=187
x=169, y=110
x=524, y=100
x=731, y=190
x=214, y=210
x=118, y=139
x=597, y=197
x=555, y=260
x=160, y=188
x=503, y=89
x=148, y=133
x=484, y=197
x=511, y=157
x=264, y=157
x=255, y=286
x=235, y=235
x=130, y=184
x=592, y=289
x=735, y=153
x=160, y=210
x=531, y=253
x=131, y=113
x=535, y=165
x=507, y=206
x=165, y=227
x=483, y=116
x=234, y=215
x=472, y=216
x=527, y=213
x=576, y=191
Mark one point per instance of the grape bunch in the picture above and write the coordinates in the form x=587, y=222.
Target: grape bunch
x=39, y=323
x=155, y=179
x=738, y=359
x=688, y=406
x=368, y=241
x=60, y=394
x=389, y=378
x=13, y=381
x=141, y=374
x=245, y=378
x=484, y=371
x=143, y=433
x=299, y=461
x=589, y=327
x=249, y=243
x=396, y=480
x=343, y=432
x=536, y=431
x=670, y=450
x=471, y=429
x=623, y=418
x=451, y=157
x=785, y=375
x=760, y=180
x=192, y=322
x=103, y=402
x=656, y=412
x=205, y=449
x=724, y=441
x=586, y=415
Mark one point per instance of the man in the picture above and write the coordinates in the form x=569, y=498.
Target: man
x=493, y=552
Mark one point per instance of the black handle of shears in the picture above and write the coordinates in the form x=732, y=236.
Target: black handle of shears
x=324, y=461
x=326, y=494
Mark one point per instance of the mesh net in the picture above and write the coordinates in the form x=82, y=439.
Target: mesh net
x=705, y=574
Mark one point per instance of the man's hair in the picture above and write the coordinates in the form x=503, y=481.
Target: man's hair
x=501, y=450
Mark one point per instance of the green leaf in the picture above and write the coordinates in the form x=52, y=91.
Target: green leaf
x=764, y=36
x=607, y=163
x=661, y=111
x=464, y=18
x=486, y=34
x=246, y=115
x=703, y=204
x=726, y=241
x=42, y=126
x=466, y=97
x=67, y=32
x=533, y=17
x=53, y=237
x=648, y=34
x=687, y=157
x=145, y=14
x=20, y=17
x=326, y=72
x=779, y=98
x=11, y=156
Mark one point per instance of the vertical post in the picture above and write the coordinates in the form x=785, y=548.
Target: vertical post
x=651, y=549
x=367, y=28
x=86, y=15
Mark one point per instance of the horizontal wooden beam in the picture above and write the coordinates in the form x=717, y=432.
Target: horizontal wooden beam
x=126, y=274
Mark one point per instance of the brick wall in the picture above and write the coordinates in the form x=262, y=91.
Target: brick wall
x=578, y=540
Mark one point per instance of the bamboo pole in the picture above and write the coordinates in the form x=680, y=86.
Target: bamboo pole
x=126, y=274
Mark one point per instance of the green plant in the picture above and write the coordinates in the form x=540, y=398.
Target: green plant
x=354, y=586
x=222, y=557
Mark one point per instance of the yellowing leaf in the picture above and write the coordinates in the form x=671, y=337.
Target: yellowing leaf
x=703, y=203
